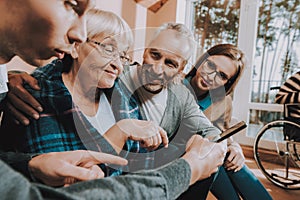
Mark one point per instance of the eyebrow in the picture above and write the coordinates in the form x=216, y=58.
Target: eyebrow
x=216, y=66
x=212, y=63
x=173, y=62
x=170, y=60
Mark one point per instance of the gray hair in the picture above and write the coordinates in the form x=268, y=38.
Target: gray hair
x=99, y=22
x=182, y=31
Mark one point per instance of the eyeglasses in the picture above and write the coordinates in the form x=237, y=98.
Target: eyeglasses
x=109, y=49
x=125, y=59
x=210, y=68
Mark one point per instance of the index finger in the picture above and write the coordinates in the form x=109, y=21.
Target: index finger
x=78, y=173
x=98, y=157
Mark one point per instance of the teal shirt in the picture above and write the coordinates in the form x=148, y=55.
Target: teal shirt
x=204, y=103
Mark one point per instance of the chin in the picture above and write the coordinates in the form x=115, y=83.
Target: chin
x=202, y=87
x=105, y=85
x=153, y=89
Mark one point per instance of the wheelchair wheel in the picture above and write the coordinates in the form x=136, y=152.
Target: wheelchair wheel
x=277, y=156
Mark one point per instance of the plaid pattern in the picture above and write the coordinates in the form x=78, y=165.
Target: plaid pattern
x=62, y=126
x=126, y=106
x=181, y=119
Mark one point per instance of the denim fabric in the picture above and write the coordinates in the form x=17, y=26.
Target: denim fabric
x=229, y=185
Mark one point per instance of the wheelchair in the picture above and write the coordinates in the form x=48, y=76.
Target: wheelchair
x=277, y=150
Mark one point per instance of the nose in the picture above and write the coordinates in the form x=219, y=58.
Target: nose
x=78, y=32
x=212, y=75
x=117, y=63
x=158, y=68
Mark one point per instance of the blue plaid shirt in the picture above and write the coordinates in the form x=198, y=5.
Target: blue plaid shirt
x=61, y=126
x=125, y=105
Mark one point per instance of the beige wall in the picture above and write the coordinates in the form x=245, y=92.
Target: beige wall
x=123, y=8
x=166, y=14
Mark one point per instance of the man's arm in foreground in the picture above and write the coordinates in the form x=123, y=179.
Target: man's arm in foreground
x=164, y=183
x=202, y=158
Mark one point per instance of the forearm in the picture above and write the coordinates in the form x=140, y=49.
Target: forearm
x=116, y=137
x=15, y=186
x=18, y=161
x=167, y=182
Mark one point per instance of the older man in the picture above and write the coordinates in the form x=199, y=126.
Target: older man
x=147, y=92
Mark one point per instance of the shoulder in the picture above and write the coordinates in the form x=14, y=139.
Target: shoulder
x=50, y=75
x=49, y=71
x=294, y=78
x=49, y=78
x=181, y=91
x=180, y=95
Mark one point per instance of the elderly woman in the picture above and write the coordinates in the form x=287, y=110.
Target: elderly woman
x=213, y=80
x=77, y=112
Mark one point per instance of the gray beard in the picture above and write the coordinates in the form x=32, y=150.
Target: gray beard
x=149, y=89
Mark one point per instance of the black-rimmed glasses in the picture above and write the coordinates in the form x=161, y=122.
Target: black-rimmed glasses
x=209, y=67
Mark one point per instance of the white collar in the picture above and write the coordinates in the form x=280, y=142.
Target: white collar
x=3, y=78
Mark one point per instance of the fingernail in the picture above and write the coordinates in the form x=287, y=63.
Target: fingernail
x=40, y=109
x=25, y=122
x=36, y=116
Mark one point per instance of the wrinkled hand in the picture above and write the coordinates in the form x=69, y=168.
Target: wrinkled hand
x=147, y=132
x=235, y=159
x=20, y=102
x=61, y=168
x=204, y=157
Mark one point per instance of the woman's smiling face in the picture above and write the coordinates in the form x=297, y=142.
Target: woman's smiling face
x=99, y=60
x=214, y=72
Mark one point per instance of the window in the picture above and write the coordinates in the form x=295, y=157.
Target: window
x=276, y=56
x=277, y=47
x=268, y=31
x=215, y=22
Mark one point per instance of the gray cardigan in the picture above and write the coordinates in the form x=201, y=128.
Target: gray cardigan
x=182, y=113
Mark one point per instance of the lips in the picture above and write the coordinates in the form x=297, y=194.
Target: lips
x=112, y=72
x=204, y=82
x=154, y=79
x=59, y=54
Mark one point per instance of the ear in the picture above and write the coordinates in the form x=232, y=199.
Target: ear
x=75, y=51
x=178, y=78
x=144, y=54
x=184, y=64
